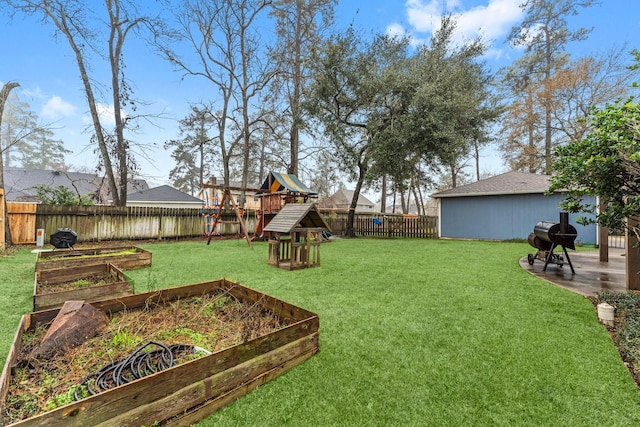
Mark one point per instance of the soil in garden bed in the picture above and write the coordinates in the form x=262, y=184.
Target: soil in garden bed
x=86, y=282
x=212, y=322
x=100, y=253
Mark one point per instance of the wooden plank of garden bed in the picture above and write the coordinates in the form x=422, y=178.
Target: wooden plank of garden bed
x=280, y=308
x=220, y=384
x=112, y=403
x=89, y=294
x=43, y=300
x=71, y=258
x=276, y=306
x=12, y=357
x=103, y=407
x=213, y=405
x=142, y=300
x=68, y=274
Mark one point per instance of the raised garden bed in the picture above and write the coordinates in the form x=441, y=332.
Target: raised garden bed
x=271, y=337
x=82, y=283
x=124, y=257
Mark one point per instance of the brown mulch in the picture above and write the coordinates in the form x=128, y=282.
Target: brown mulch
x=212, y=321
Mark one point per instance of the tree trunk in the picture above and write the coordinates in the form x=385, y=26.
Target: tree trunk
x=93, y=109
x=4, y=95
x=295, y=102
x=383, y=196
x=476, y=149
x=362, y=170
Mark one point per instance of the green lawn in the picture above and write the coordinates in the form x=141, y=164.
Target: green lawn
x=412, y=332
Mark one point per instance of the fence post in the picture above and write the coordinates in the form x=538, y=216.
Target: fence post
x=2, y=218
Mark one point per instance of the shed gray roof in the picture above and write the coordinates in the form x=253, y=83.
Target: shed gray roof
x=163, y=193
x=506, y=183
x=294, y=215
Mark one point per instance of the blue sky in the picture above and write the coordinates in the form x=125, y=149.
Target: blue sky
x=48, y=77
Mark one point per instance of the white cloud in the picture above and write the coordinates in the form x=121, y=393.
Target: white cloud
x=33, y=93
x=106, y=112
x=491, y=21
x=56, y=108
x=396, y=30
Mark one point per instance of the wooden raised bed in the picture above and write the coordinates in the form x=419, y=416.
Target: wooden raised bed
x=124, y=257
x=44, y=298
x=185, y=393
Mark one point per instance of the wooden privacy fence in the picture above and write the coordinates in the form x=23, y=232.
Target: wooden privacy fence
x=98, y=223
x=383, y=225
x=22, y=222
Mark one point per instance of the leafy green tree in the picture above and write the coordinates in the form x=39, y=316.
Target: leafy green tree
x=42, y=151
x=61, y=195
x=572, y=91
x=544, y=33
x=391, y=113
x=346, y=98
x=29, y=143
x=605, y=163
x=438, y=110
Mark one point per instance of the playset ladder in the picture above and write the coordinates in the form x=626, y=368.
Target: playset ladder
x=227, y=193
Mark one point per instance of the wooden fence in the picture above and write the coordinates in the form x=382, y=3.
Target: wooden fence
x=101, y=223
x=383, y=225
x=22, y=222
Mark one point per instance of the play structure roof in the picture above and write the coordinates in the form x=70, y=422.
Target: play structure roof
x=277, y=181
x=294, y=215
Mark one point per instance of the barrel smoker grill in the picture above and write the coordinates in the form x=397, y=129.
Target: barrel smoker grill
x=547, y=236
x=63, y=238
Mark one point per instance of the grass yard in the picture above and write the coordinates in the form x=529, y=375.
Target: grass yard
x=412, y=332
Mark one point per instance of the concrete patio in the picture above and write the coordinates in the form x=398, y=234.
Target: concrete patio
x=591, y=276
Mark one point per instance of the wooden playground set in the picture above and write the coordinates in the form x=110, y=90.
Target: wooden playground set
x=286, y=217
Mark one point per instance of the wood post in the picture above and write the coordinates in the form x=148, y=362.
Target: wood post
x=632, y=257
x=603, y=237
x=3, y=216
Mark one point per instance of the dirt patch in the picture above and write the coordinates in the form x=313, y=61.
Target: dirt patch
x=209, y=323
x=10, y=250
x=87, y=282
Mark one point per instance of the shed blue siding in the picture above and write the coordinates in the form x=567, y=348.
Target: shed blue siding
x=504, y=217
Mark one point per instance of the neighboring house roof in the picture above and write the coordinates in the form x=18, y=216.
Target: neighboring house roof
x=136, y=185
x=163, y=193
x=294, y=215
x=20, y=183
x=343, y=198
x=276, y=181
x=506, y=183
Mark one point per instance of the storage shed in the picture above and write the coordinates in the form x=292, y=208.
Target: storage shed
x=295, y=235
x=503, y=207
